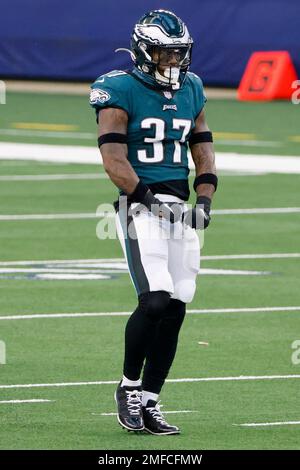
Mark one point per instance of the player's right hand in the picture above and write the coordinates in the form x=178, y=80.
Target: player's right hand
x=144, y=195
x=160, y=209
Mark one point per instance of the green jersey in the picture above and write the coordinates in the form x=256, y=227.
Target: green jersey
x=159, y=125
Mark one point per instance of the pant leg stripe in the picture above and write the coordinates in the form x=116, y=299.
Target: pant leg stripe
x=135, y=265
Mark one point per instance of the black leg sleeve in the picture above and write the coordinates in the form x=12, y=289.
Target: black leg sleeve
x=163, y=347
x=141, y=329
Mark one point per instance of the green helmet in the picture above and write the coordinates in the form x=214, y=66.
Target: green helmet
x=163, y=33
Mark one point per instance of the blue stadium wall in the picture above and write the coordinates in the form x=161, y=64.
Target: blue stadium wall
x=76, y=39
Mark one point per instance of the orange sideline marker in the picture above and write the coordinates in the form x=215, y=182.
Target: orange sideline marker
x=268, y=76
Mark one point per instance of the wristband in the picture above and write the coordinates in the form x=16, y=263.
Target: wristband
x=206, y=178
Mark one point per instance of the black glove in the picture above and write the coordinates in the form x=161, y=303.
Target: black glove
x=144, y=195
x=198, y=217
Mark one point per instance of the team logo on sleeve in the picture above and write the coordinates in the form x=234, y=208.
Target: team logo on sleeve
x=98, y=95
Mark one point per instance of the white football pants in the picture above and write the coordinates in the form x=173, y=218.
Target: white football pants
x=160, y=255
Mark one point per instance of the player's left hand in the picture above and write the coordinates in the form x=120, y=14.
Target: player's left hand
x=198, y=217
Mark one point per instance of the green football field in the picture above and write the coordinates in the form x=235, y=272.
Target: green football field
x=235, y=381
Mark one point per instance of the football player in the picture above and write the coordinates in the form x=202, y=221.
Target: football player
x=148, y=118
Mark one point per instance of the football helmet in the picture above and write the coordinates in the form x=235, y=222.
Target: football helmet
x=161, y=47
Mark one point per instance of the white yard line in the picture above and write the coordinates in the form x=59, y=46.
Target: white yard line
x=91, y=215
x=245, y=310
x=183, y=380
x=64, y=315
x=25, y=401
x=70, y=262
x=94, y=262
x=59, y=273
x=50, y=153
x=70, y=277
x=85, y=271
x=94, y=215
x=250, y=256
x=252, y=163
x=165, y=413
x=83, y=154
x=121, y=314
x=55, y=177
x=263, y=210
x=277, y=423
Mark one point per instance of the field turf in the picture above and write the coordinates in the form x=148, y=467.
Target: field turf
x=85, y=349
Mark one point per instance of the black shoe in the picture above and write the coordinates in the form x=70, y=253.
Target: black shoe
x=155, y=422
x=129, y=401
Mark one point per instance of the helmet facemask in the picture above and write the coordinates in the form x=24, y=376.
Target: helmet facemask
x=170, y=61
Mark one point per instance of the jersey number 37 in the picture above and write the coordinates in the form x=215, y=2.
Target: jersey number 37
x=160, y=134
